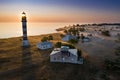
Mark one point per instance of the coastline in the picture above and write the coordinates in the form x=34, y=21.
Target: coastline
x=31, y=35
x=15, y=59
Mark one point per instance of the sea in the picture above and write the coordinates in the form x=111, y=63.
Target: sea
x=8, y=30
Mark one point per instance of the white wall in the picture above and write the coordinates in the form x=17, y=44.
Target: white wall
x=44, y=46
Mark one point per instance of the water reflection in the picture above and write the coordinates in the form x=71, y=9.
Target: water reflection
x=7, y=29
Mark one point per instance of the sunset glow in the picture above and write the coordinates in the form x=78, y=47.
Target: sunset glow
x=60, y=10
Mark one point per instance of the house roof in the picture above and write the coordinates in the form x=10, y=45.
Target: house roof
x=66, y=47
x=57, y=50
x=73, y=51
x=68, y=37
x=44, y=43
x=86, y=38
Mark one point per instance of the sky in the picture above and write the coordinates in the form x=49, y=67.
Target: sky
x=87, y=11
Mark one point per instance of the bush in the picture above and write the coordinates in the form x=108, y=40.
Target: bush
x=44, y=39
x=69, y=45
x=58, y=44
x=61, y=35
x=82, y=29
x=47, y=38
x=82, y=36
x=65, y=31
x=50, y=37
x=105, y=33
x=79, y=53
x=73, y=41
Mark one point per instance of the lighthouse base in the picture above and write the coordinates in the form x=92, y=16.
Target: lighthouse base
x=25, y=43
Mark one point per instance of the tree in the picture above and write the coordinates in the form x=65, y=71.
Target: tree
x=73, y=41
x=79, y=53
x=106, y=33
x=70, y=31
x=78, y=25
x=69, y=45
x=78, y=36
x=44, y=39
x=65, y=31
x=74, y=32
x=61, y=35
x=58, y=44
x=82, y=36
x=82, y=29
x=50, y=37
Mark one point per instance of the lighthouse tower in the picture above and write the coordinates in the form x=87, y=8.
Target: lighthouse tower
x=25, y=42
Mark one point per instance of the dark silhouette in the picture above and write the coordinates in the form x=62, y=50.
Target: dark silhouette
x=28, y=68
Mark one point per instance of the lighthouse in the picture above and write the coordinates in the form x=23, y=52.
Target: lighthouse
x=25, y=42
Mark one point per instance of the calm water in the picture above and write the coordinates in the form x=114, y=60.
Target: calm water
x=8, y=30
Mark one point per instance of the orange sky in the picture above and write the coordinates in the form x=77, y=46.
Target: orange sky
x=45, y=12
x=61, y=18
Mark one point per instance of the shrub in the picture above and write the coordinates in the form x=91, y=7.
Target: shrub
x=58, y=44
x=44, y=39
x=79, y=53
x=73, y=41
x=105, y=33
x=82, y=29
x=61, y=35
x=65, y=31
x=50, y=37
x=69, y=45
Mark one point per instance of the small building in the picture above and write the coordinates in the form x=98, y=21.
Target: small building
x=44, y=45
x=65, y=55
x=86, y=39
x=68, y=37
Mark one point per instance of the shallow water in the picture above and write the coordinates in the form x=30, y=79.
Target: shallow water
x=8, y=30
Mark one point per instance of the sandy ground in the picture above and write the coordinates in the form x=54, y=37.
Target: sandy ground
x=98, y=49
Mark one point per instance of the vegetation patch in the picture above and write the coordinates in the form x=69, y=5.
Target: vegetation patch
x=105, y=33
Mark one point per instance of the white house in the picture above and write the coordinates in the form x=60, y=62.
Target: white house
x=44, y=45
x=86, y=39
x=68, y=37
x=64, y=54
